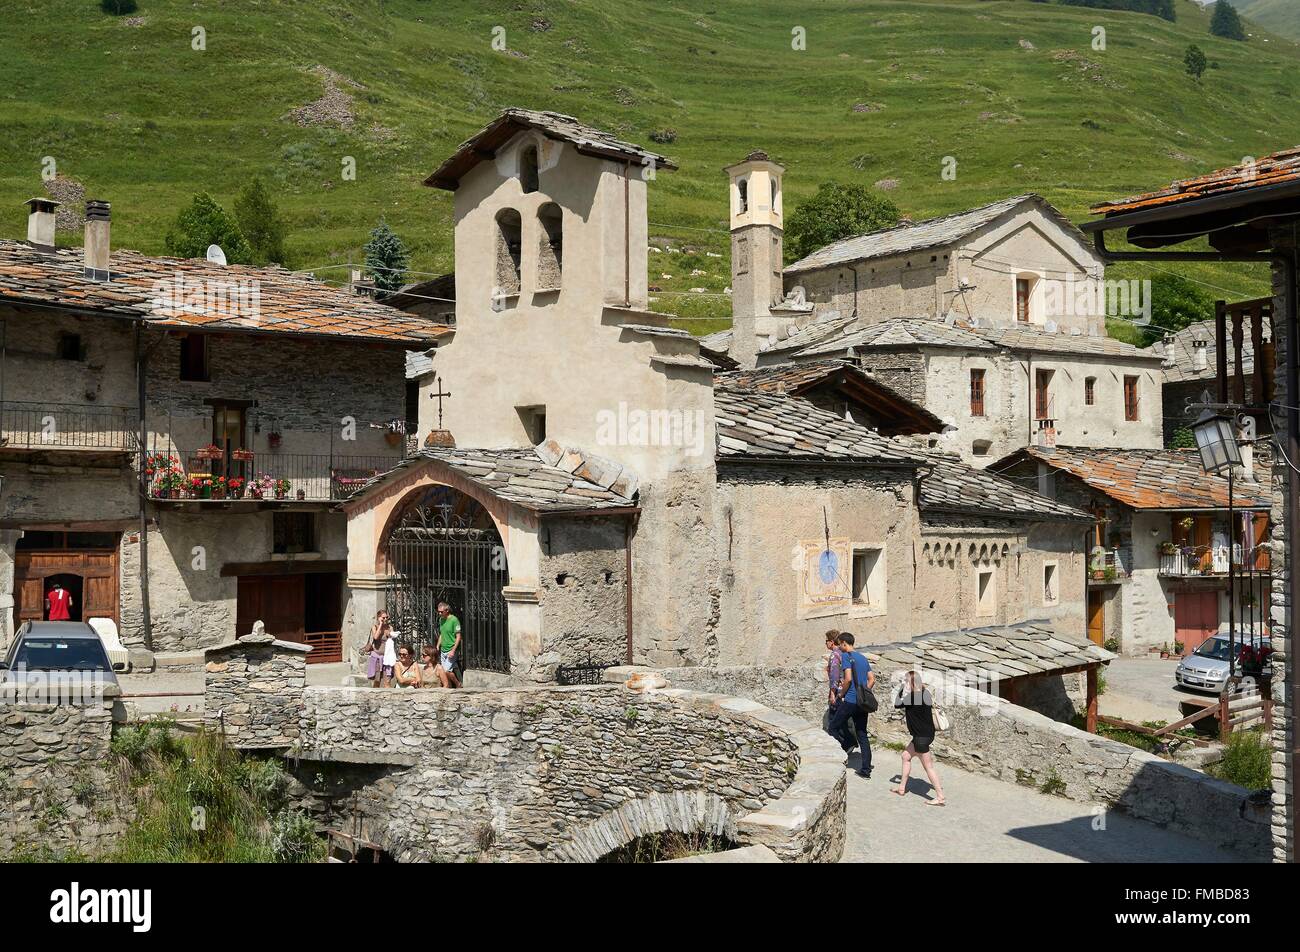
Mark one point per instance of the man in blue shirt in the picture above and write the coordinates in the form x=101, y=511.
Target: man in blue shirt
x=857, y=675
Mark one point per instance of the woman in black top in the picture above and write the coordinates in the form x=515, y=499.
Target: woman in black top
x=918, y=707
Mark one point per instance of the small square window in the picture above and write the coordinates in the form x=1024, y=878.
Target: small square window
x=293, y=532
x=534, y=422
x=70, y=347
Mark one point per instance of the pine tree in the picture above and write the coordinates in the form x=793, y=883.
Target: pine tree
x=205, y=223
x=1194, y=60
x=260, y=222
x=386, y=258
x=1226, y=22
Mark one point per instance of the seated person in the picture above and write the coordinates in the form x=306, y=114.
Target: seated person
x=406, y=673
x=429, y=664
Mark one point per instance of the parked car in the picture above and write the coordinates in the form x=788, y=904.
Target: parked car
x=50, y=653
x=1206, y=668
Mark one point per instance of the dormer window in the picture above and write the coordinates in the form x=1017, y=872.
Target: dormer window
x=528, y=169
x=509, y=251
x=550, y=247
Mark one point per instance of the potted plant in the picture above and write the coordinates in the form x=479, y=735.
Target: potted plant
x=261, y=487
x=1168, y=548
x=211, y=451
x=162, y=473
x=1253, y=659
x=219, y=488
x=273, y=439
x=235, y=487
x=200, y=485
x=302, y=495
x=1178, y=647
x=281, y=487
x=242, y=456
x=1164, y=651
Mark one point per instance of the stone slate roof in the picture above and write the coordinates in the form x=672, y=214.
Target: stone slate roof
x=755, y=425
x=900, y=332
x=812, y=333
x=996, y=652
x=554, y=125
x=952, y=486
x=1033, y=339
x=1280, y=168
x=157, y=290
x=518, y=476
x=907, y=332
x=1146, y=479
x=925, y=235
x=797, y=379
x=1182, y=369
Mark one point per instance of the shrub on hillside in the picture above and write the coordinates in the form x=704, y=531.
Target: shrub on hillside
x=837, y=211
x=260, y=222
x=205, y=223
x=1194, y=60
x=117, y=7
x=1160, y=8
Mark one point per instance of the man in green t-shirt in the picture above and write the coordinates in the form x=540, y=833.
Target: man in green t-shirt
x=449, y=645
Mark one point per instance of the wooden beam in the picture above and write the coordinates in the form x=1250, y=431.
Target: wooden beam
x=285, y=567
x=1091, y=720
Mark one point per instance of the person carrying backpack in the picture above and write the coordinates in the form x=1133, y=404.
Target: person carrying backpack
x=856, y=701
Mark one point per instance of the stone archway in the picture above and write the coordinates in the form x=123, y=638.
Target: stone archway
x=443, y=545
x=678, y=811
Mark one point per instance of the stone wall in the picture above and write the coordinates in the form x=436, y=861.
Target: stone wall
x=55, y=792
x=1284, y=331
x=253, y=690
x=582, y=585
x=567, y=773
x=991, y=736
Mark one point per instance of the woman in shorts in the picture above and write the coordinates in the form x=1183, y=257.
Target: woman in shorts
x=918, y=708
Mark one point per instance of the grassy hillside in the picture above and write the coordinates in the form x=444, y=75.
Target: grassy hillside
x=883, y=92
x=1279, y=16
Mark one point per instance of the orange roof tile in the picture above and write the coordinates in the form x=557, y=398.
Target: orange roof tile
x=1272, y=169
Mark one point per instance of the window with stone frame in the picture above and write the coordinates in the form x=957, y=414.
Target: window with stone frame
x=1051, y=582
x=986, y=594
x=1024, y=291
x=1090, y=391
x=868, y=578
x=509, y=251
x=977, y=392
x=550, y=247
x=1131, y=406
x=1043, y=394
x=742, y=189
x=293, y=532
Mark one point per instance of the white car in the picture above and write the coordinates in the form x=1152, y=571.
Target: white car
x=1206, y=668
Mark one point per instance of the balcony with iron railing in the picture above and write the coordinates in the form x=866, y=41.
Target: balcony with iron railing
x=29, y=427
x=1208, y=561
x=241, y=478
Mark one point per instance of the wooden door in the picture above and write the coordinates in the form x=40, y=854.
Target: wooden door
x=1196, y=617
x=278, y=601
x=96, y=569
x=1096, y=617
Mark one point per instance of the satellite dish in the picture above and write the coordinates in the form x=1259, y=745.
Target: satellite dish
x=1050, y=327
x=216, y=255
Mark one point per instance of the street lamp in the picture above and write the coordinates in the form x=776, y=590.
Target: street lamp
x=1216, y=442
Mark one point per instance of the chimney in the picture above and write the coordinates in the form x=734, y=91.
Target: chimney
x=1200, y=355
x=1047, y=434
x=1167, y=350
x=40, y=222
x=756, y=247
x=96, y=245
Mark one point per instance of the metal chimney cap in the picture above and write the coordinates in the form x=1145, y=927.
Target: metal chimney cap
x=42, y=204
x=97, y=210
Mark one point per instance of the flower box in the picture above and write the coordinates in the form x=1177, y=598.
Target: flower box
x=211, y=451
x=241, y=456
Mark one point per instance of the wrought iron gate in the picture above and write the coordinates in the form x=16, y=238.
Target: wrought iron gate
x=463, y=566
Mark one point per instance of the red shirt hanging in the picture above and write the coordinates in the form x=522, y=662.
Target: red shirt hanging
x=60, y=604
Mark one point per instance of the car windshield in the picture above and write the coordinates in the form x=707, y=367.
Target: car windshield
x=61, y=654
x=1216, y=648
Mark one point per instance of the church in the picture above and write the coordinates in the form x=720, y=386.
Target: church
x=594, y=488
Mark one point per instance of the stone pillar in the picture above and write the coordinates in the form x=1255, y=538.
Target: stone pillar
x=8, y=546
x=253, y=688
x=1284, y=326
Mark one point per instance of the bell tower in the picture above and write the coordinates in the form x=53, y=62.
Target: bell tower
x=756, y=246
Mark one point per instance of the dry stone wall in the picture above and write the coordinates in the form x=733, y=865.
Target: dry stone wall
x=253, y=689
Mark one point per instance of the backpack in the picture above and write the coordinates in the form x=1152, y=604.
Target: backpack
x=867, y=702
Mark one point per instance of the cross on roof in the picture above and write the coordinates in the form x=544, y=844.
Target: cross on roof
x=439, y=394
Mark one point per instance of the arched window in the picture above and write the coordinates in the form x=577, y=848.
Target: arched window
x=773, y=181
x=509, y=249
x=742, y=188
x=550, y=247
x=528, y=169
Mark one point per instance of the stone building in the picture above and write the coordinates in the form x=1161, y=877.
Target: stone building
x=1158, y=569
x=609, y=497
x=174, y=434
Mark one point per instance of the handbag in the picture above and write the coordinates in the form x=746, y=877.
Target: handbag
x=867, y=701
x=941, y=722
